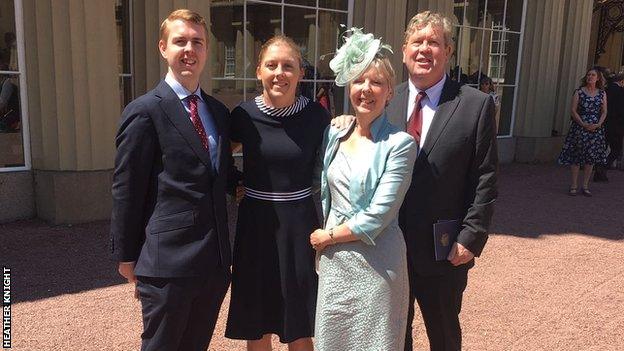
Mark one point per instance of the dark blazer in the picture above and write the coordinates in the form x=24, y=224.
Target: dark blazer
x=615, y=108
x=169, y=207
x=454, y=174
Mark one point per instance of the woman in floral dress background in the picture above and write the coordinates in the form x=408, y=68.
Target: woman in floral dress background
x=585, y=144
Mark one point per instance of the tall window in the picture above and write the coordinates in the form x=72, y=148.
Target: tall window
x=498, y=55
x=238, y=29
x=230, y=62
x=488, y=34
x=123, y=18
x=14, y=151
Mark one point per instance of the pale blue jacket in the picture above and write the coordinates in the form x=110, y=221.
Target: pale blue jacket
x=377, y=189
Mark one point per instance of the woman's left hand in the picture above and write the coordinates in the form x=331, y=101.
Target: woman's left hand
x=319, y=239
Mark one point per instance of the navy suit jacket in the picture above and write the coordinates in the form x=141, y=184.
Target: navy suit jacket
x=454, y=174
x=169, y=206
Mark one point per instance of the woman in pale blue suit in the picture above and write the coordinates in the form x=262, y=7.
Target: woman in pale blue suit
x=367, y=167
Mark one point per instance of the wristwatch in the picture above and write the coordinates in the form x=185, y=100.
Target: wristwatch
x=331, y=235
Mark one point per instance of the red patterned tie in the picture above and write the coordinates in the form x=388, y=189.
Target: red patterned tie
x=199, y=127
x=415, y=122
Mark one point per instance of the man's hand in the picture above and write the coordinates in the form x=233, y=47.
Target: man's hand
x=342, y=121
x=126, y=269
x=459, y=255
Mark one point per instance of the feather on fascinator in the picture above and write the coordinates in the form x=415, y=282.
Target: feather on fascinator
x=355, y=54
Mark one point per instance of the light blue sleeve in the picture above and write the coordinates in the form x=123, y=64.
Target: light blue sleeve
x=388, y=196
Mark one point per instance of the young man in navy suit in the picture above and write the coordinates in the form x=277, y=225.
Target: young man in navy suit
x=169, y=223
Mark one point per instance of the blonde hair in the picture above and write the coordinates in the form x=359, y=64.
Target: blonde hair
x=184, y=15
x=280, y=40
x=383, y=65
x=425, y=18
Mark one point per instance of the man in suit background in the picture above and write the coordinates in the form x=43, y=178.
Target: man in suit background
x=615, y=119
x=454, y=175
x=169, y=224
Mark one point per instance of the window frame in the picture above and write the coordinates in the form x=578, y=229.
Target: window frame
x=283, y=5
x=128, y=75
x=21, y=72
x=503, y=56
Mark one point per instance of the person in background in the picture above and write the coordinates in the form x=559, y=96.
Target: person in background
x=367, y=167
x=273, y=280
x=614, y=123
x=600, y=170
x=585, y=144
x=10, y=116
x=487, y=86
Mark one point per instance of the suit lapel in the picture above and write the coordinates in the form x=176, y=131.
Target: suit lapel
x=446, y=107
x=175, y=112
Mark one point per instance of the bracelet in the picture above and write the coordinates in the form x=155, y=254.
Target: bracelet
x=331, y=236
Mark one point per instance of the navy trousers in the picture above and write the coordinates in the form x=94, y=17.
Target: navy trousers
x=181, y=313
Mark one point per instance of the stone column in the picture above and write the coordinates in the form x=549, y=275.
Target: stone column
x=441, y=6
x=539, y=80
x=575, y=43
x=385, y=18
x=73, y=104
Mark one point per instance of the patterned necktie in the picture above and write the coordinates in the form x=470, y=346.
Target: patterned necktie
x=199, y=127
x=415, y=122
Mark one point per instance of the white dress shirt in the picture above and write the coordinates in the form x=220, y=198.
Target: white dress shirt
x=429, y=105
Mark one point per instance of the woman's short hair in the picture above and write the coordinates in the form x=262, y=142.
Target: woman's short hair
x=600, y=84
x=437, y=20
x=184, y=15
x=382, y=64
x=281, y=40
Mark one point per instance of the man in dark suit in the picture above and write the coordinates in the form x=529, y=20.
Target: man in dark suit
x=615, y=119
x=169, y=222
x=454, y=175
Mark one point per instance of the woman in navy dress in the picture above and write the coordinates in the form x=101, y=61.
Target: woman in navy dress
x=273, y=279
x=585, y=144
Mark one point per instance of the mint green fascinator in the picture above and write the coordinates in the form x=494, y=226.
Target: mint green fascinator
x=354, y=56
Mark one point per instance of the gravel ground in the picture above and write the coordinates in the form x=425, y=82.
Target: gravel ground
x=550, y=277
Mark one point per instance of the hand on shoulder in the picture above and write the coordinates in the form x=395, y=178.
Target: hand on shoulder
x=341, y=122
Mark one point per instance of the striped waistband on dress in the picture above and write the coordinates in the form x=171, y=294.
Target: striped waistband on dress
x=276, y=196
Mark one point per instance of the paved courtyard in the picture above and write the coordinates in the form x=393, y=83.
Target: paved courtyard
x=550, y=278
